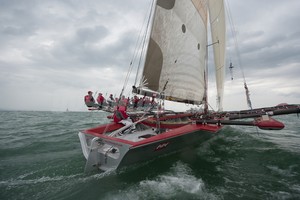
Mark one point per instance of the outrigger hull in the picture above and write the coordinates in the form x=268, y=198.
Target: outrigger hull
x=104, y=152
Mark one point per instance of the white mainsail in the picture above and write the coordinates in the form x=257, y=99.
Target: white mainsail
x=218, y=32
x=175, y=61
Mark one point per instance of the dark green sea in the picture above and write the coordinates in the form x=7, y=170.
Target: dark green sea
x=40, y=158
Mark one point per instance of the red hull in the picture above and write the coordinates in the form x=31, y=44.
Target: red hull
x=158, y=145
x=99, y=132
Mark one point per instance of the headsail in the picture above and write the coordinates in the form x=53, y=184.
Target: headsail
x=218, y=31
x=176, y=57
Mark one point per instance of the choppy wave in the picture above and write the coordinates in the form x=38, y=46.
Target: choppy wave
x=177, y=183
x=40, y=158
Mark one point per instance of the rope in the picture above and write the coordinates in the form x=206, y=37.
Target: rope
x=135, y=53
x=143, y=42
x=238, y=54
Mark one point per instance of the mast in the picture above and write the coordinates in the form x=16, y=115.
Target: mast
x=205, y=98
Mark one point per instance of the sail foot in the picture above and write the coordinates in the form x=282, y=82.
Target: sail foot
x=161, y=95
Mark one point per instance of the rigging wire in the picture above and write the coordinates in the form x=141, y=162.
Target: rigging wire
x=233, y=30
x=143, y=42
x=231, y=66
x=231, y=69
x=135, y=54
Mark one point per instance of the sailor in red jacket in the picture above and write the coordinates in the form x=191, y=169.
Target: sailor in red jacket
x=89, y=100
x=120, y=116
x=100, y=100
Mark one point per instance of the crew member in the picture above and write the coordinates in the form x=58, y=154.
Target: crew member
x=135, y=102
x=120, y=116
x=90, y=101
x=110, y=100
x=100, y=100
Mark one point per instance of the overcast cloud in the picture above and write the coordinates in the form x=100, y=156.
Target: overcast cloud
x=53, y=51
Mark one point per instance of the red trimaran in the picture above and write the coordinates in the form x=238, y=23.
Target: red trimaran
x=175, y=69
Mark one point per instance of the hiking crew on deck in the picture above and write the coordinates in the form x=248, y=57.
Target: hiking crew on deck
x=90, y=101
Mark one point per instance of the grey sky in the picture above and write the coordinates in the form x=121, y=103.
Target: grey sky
x=53, y=52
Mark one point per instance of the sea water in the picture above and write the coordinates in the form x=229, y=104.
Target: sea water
x=41, y=158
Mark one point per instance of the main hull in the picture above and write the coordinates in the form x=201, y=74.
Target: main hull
x=108, y=147
x=165, y=146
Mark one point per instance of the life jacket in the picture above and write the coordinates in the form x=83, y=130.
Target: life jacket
x=88, y=99
x=119, y=115
x=100, y=99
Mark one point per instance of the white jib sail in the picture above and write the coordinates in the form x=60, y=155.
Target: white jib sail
x=218, y=31
x=175, y=60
